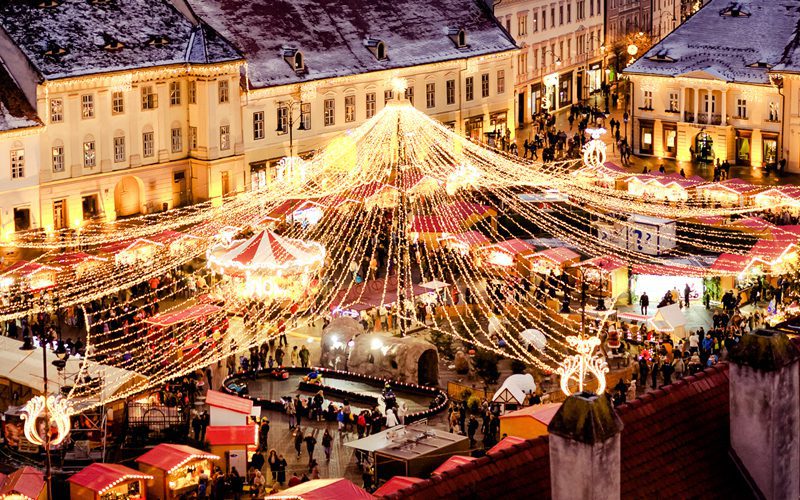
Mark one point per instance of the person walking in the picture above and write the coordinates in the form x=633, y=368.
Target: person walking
x=263, y=434
x=472, y=428
x=298, y=441
x=327, y=444
x=304, y=355
x=687, y=291
x=282, y=464
x=644, y=302
x=311, y=443
x=290, y=410
x=391, y=419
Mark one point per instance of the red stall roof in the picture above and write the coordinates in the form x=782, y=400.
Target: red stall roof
x=191, y=313
x=505, y=443
x=219, y=399
x=74, y=258
x=324, y=489
x=558, y=255
x=168, y=237
x=607, y=263
x=231, y=434
x=26, y=481
x=451, y=463
x=99, y=477
x=514, y=246
x=395, y=484
x=731, y=263
x=25, y=268
x=168, y=456
x=770, y=251
x=468, y=238
x=434, y=224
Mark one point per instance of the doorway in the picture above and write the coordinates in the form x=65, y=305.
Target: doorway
x=179, y=195
x=90, y=207
x=226, y=183
x=770, y=151
x=521, y=108
x=59, y=214
x=428, y=368
x=704, y=150
x=128, y=196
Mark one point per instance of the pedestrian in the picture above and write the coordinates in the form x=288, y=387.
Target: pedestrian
x=298, y=441
x=294, y=357
x=391, y=419
x=274, y=464
x=687, y=291
x=311, y=443
x=236, y=483
x=304, y=355
x=644, y=302
x=327, y=444
x=472, y=428
x=291, y=412
x=401, y=413
x=196, y=426
x=257, y=462
x=279, y=356
x=258, y=484
x=263, y=434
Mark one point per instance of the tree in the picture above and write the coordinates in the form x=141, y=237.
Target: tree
x=517, y=366
x=486, y=366
x=443, y=343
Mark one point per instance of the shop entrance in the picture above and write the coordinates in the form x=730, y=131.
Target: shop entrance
x=770, y=151
x=703, y=147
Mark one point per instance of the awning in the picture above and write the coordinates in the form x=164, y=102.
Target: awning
x=100, y=476
x=324, y=489
x=74, y=258
x=167, y=456
x=435, y=285
x=451, y=463
x=191, y=313
x=27, y=481
x=217, y=399
x=395, y=484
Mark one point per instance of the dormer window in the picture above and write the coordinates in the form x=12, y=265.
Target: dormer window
x=458, y=36
x=760, y=64
x=734, y=10
x=99, y=2
x=661, y=57
x=47, y=4
x=55, y=50
x=158, y=41
x=377, y=47
x=112, y=44
x=294, y=58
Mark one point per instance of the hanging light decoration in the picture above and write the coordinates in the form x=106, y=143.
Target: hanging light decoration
x=585, y=362
x=55, y=411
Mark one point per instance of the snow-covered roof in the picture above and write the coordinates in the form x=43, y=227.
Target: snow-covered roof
x=727, y=44
x=333, y=36
x=15, y=111
x=514, y=389
x=80, y=37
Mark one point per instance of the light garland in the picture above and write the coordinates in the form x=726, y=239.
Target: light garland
x=580, y=365
x=54, y=409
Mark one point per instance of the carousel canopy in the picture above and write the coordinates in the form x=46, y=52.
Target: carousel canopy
x=269, y=251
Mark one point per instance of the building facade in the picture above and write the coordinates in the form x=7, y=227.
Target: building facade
x=627, y=22
x=710, y=92
x=162, y=110
x=560, y=61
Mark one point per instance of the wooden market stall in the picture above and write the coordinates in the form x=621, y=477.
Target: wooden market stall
x=510, y=256
x=606, y=176
x=131, y=252
x=430, y=229
x=778, y=198
x=529, y=422
x=101, y=481
x=25, y=483
x=514, y=390
x=176, y=242
x=730, y=266
x=465, y=242
x=29, y=275
x=452, y=463
x=193, y=328
x=396, y=484
x=727, y=193
x=175, y=469
x=234, y=443
x=324, y=489
x=606, y=275
x=776, y=257
x=79, y=263
x=553, y=260
x=468, y=213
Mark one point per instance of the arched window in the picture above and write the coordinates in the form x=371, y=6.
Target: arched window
x=462, y=38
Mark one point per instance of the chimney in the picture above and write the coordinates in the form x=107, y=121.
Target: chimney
x=765, y=412
x=585, y=449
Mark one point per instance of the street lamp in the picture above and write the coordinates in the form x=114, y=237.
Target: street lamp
x=550, y=79
x=290, y=107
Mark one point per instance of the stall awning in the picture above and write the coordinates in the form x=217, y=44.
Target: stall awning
x=451, y=463
x=24, y=268
x=123, y=246
x=74, y=258
x=396, y=484
x=771, y=251
x=26, y=481
x=324, y=489
x=559, y=256
x=514, y=247
x=168, y=456
x=217, y=399
x=169, y=237
x=99, y=477
x=468, y=238
x=434, y=224
x=218, y=435
x=607, y=263
x=370, y=294
x=191, y=313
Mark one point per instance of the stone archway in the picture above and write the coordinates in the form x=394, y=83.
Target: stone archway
x=428, y=368
x=128, y=196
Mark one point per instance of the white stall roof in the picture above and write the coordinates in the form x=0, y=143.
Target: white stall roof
x=514, y=389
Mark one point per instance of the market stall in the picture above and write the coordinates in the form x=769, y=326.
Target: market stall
x=670, y=319
x=79, y=263
x=25, y=483
x=31, y=276
x=430, y=229
x=606, y=175
x=728, y=193
x=510, y=256
x=658, y=280
x=324, y=489
x=194, y=328
x=451, y=463
x=529, y=422
x=234, y=443
x=395, y=484
x=775, y=257
x=778, y=198
x=140, y=251
x=553, y=260
x=464, y=242
x=468, y=213
x=418, y=184
x=514, y=390
x=101, y=481
x=175, y=242
x=753, y=225
x=606, y=275
x=175, y=469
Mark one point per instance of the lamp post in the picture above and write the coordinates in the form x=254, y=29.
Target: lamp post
x=548, y=78
x=289, y=107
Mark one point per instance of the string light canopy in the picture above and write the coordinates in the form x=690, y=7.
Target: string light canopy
x=388, y=198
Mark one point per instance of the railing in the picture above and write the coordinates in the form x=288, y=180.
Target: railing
x=702, y=117
x=688, y=117
x=716, y=119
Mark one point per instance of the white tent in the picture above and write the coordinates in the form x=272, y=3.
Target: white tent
x=514, y=389
x=435, y=285
x=533, y=337
x=670, y=319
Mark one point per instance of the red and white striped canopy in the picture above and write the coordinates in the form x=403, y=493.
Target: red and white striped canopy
x=269, y=251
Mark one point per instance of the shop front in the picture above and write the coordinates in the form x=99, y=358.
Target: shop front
x=100, y=481
x=564, y=89
x=743, y=139
x=770, y=145
x=536, y=98
x=646, y=137
x=594, y=77
x=670, y=143
x=704, y=147
x=175, y=468
x=498, y=125
x=473, y=128
x=550, y=84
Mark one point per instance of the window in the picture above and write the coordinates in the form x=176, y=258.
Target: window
x=561, y=50
x=330, y=112
x=410, y=94
x=89, y=154
x=370, y=104
x=508, y=25
x=450, y=88
x=192, y=137
x=149, y=97
x=305, y=115
x=544, y=19
x=22, y=219
x=591, y=8
x=349, y=108
x=580, y=9
x=117, y=103
x=58, y=159
x=598, y=6
x=470, y=88
x=225, y=137
x=741, y=108
x=56, y=110
x=177, y=140
x=119, y=149
x=648, y=99
x=501, y=81
x=560, y=15
x=522, y=25
x=192, y=92
x=552, y=17
x=673, y=101
x=773, y=112
x=569, y=12
x=522, y=63
x=174, y=93
x=709, y=105
x=535, y=22
x=544, y=57
x=485, y=85
x=387, y=96
x=148, y=146
x=87, y=106
x=222, y=88
x=430, y=95
x=258, y=125
x=282, y=120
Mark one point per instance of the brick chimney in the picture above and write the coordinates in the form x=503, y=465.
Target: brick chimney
x=585, y=449
x=765, y=412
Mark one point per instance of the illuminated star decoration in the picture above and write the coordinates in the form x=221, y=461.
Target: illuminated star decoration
x=594, y=152
x=579, y=365
x=53, y=408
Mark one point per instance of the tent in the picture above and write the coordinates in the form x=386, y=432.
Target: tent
x=429, y=229
x=267, y=251
x=37, y=276
x=533, y=338
x=324, y=489
x=508, y=256
x=529, y=422
x=670, y=319
x=514, y=389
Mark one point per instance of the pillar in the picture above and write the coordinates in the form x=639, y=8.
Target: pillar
x=696, y=103
x=724, y=108
x=682, y=105
x=585, y=449
x=710, y=95
x=765, y=412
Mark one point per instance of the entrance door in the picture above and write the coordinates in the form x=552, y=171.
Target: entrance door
x=59, y=214
x=179, y=195
x=127, y=197
x=703, y=147
x=90, y=207
x=226, y=188
x=770, y=151
x=579, y=83
x=743, y=151
x=521, y=108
